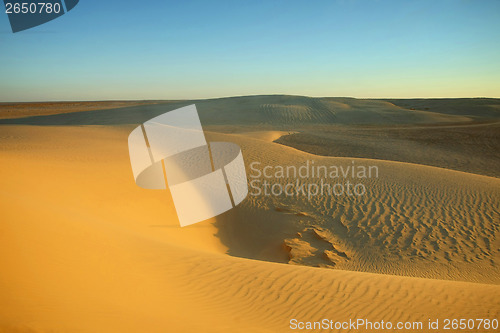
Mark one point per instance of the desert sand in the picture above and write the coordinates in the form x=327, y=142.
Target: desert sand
x=20, y=110
x=86, y=250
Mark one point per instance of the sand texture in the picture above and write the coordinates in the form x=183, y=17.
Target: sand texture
x=84, y=249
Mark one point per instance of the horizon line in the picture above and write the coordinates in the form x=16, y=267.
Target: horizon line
x=235, y=96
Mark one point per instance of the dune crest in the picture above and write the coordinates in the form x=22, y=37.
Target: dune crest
x=86, y=250
x=108, y=256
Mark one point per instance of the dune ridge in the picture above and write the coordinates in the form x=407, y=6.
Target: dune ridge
x=113, y=264
x=400, y=226
x=284, y=112
x=86, y=250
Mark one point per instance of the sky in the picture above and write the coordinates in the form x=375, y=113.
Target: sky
x=157, y=49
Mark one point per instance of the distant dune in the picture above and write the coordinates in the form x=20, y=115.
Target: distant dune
x=21, y=110
x=86, y=250
x=458, y=134
x=280, y=111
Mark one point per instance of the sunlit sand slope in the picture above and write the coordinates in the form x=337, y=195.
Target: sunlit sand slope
x=85, y=250
x=413, y=220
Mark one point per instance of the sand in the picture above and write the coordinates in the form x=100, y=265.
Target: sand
x=20, y=110
x=86, y=250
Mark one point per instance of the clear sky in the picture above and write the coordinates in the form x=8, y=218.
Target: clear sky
x=161, y=49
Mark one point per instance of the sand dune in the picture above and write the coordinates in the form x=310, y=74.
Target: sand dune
x=269, y=136
x=95, y=253
x=414, y=220
x=86, y=250
x=20, y=110
x=473, y=107
x=469, y=147
x=458, y=134
x=276, y=112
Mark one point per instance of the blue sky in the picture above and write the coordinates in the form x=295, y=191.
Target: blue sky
x=199, y=49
